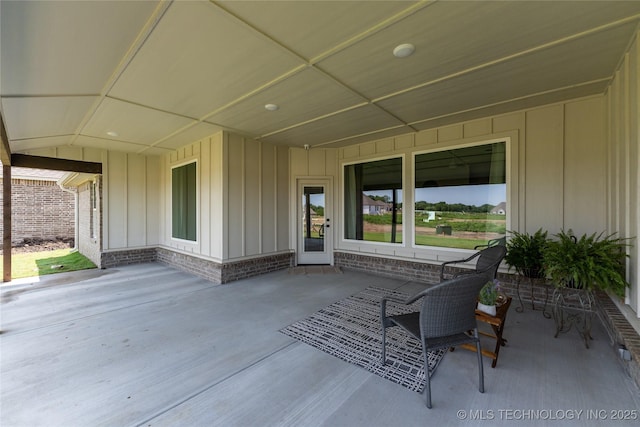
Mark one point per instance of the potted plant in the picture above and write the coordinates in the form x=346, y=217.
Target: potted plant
x=489, y=297
x=577, y=267
x=525, y=253
x=589, y=262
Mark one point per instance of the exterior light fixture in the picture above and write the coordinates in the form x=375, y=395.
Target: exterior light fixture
x=271, y=107
x=404, y=50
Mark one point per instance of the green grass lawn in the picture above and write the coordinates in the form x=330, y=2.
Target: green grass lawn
x=49, y=262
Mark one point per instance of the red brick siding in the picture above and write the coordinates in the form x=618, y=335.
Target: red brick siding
x=40, y=210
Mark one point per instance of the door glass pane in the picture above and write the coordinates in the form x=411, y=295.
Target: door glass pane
x=313, y=221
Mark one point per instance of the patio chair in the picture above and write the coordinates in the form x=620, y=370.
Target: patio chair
x=502, y=241
x=447, y=318
x=488, y=261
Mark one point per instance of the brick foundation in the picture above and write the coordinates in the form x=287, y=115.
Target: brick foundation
x=621, y=333
x=394, y=268
x=228, y=271
x=127, y=257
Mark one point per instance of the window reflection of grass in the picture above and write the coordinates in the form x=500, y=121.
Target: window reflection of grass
x=448, y=242
x=372, y=236
x=41, y=263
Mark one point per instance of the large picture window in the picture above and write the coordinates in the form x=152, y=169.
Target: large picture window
x=183, y=200
x=460, y=196
x=373, y=201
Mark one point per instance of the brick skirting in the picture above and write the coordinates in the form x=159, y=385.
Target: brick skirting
x=127, y=257
x=207, y=269
x=224, y=272
x=621, y=332
x=394, y=268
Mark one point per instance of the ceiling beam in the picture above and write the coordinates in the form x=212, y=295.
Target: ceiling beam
x=5, y=149
x=37, y=162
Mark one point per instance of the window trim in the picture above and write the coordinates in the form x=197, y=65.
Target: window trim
x=508, y=165
x=402, y=157
x=197, y=196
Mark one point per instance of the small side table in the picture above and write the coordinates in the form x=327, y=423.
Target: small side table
x=497, y=324
x=532, y=281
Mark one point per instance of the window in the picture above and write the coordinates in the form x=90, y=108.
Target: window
x=183, y=200
x=460, y=196
x=373, y=201
x=93, y=212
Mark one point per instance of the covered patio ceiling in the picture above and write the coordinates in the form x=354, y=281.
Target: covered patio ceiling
x=150, y=76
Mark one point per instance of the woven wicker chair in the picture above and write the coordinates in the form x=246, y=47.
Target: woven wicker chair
x=501, y=241
x=446, y=319
x=488, y=261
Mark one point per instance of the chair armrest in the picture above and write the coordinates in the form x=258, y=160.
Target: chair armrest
x=410, y=300
x=457, y=261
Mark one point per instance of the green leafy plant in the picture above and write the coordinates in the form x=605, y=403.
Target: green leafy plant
x=525, y=253
x=489, y=293
x=589, y=262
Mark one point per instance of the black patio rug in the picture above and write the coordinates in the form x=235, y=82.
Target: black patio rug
x=350, y=330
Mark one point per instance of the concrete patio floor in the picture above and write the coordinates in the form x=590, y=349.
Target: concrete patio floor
x=148, y=345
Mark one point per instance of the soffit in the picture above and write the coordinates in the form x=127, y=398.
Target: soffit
x=165, y=74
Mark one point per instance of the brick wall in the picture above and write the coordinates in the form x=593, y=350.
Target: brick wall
x=90, y=222
x=227, y=272
x=40, y=210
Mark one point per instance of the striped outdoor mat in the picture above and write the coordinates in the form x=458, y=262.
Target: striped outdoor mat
x=350, y=330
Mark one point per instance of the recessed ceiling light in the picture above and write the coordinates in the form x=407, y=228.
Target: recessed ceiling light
x=271, y=107
x=112, y=133
x=404, y=50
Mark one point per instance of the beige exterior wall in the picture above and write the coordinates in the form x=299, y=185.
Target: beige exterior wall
x=242, y=198
x=310, y=164
x=623, y=184
x=130, y=191
x=556, y=173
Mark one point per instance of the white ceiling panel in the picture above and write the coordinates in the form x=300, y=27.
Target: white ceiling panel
x=311, y=28
x=343, y=125
x=164, y=74
x=305, y=96
x=108, y=144
x=209, y=62
x=35, y=117
x=512, y=105
x=188, y=136
x=579, y=61
x=132, y=123
x=455, y=36
x=39, y=143
x=66, y=47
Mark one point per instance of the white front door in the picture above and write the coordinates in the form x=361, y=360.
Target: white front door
x=314, y=224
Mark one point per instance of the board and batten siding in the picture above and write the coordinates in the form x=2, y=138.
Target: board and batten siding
x=130, y=193
x=309, y=164
x=241, y=209
x=623, y=184
x=556, y=170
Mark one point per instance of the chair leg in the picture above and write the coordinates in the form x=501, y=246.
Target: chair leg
x=480, y=368
x=384, y=345
x=427, y=384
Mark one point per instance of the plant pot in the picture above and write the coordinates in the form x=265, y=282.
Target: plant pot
x=488, y=309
